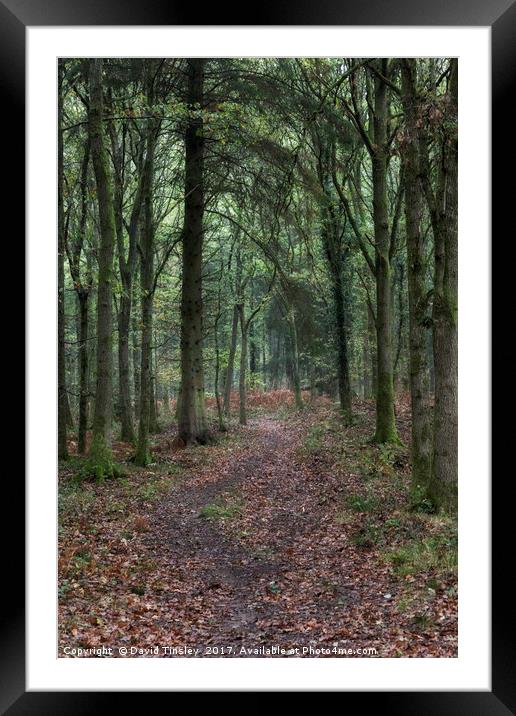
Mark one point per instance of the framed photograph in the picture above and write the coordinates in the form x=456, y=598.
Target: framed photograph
x=258, y=368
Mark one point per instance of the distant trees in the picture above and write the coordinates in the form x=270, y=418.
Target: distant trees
x=257, y=224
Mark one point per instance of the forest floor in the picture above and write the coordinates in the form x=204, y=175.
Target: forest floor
x=292, y=532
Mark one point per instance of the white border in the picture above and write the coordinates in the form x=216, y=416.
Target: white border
x=471, y=670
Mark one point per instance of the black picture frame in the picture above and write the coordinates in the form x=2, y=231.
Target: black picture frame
x=15, y=16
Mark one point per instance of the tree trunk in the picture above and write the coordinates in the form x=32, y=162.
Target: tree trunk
x=153, y=405
x=220, y=412
x=385, y=419
x=366, y=352
x=231, y=363
x=242, y=386
x=419, y=389
x=430, y=360
x=166, y=400
x=296, y=381
x=443, y=484
x=142, y=456
x=178, y=405
x=332, y=242
x=312, y=381
x=127, y=267
x=342, y=347
x=253, y=362
x=92, y=361
x=192, y=419
x=83, y=298
x=100, y=457
x=264, y=355
x=126, y=418
x=371, y=332
x=276, y=362
x=69, y=415
x=62, y=448
x=136, y=365
x=84, y=387
x=398, y=290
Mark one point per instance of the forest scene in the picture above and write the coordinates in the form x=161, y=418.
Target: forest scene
x=257, y=357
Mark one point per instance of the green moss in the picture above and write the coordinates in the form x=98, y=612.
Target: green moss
x=99, y=463
x=222, y=509
x=386, y=434
x=386, y=431
x=142, y=457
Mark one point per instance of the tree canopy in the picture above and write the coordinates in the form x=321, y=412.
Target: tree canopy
x=261, y=223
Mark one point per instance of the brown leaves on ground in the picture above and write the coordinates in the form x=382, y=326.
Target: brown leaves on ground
x=291, y=532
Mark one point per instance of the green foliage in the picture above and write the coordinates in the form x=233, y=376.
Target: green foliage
x=315, y=436
x=420, y=502
x=154, y=488
x=75, y=499
x=438, y=554
x=362, y=503
x=223, y=508
x=368, y=536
